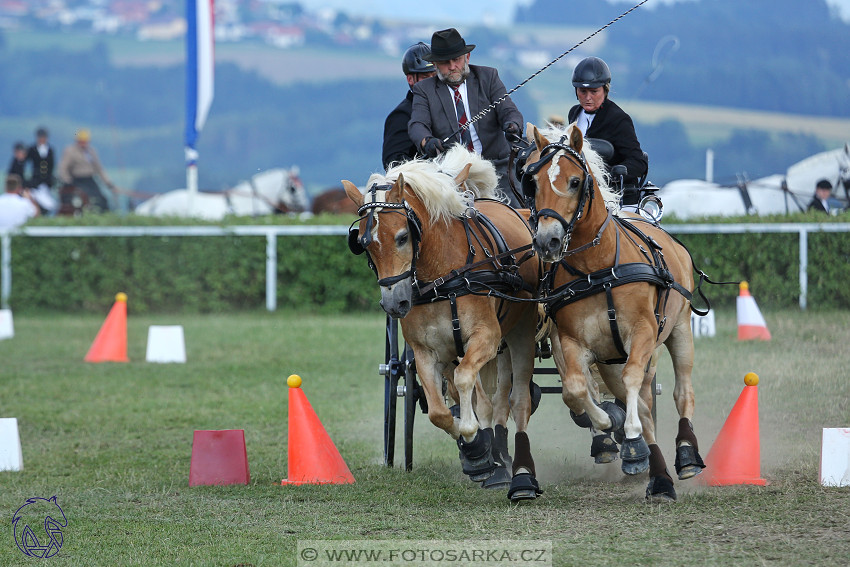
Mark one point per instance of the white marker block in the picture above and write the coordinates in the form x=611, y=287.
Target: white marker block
x=835, y=457
x=11, y=457
x=166, y=344
x=7, y=328
x=703, y=325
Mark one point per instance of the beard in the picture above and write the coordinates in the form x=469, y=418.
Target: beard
x=455, y=79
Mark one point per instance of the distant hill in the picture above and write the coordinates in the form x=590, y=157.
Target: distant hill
x=774, y=55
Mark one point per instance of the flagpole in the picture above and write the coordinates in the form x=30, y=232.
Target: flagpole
x=199, y=85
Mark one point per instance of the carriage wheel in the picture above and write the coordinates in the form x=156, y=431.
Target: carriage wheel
x=391, y=370
x=411, y=397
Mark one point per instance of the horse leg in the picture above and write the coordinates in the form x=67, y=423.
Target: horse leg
x=474, y=442
x=521, y=345
x=501, y=478
x=635, y=451
x=660, y=487
x=579, y=389
x=431, y=379
x=680, y=344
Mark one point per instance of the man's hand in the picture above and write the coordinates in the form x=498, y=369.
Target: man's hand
x=512, y=128
x=433, y=147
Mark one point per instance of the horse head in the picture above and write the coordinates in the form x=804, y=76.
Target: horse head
x=390, y=232
x=557, y=177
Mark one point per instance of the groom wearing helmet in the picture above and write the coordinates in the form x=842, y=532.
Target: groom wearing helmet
x=397, y=144
x=598, y=117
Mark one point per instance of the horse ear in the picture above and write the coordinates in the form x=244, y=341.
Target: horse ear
x=396, y=194
x=539, y=140
x=461, y=177
x=353, y=193
x=576, y=138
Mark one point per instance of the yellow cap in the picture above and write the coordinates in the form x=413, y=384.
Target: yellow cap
x=294, y=381
x=751, y=379
x=744, y=286
x=83, y=135
x=121, y=296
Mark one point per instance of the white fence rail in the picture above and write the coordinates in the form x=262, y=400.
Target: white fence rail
x=272, y=232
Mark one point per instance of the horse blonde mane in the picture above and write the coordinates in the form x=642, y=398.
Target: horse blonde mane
x=594, y=161
x=433, y=182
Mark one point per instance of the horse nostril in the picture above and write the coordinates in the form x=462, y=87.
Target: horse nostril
x=554, y=245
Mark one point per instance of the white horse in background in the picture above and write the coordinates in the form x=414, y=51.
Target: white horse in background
x=775, y=194
x=272, y=191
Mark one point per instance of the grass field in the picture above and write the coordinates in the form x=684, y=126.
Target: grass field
x=113, y=442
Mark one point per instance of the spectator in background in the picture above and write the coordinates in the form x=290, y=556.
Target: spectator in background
x=42, y=159
x=19, y=160
x=16, y=205
x=78, y=167
x=397, y=145
x=823, y=200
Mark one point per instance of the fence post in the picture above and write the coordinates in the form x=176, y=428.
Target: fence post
x=271, y=271
x=804, y=266
x=5, y=270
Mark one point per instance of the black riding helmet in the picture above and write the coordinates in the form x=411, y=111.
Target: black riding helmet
x=591, y=73
x=413, y=61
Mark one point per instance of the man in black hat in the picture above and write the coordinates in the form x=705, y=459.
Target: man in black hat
x=43, y=160
x=397, y=144
x=459, y=92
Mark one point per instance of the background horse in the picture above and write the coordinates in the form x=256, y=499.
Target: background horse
x=616, y=294
x=417, y=227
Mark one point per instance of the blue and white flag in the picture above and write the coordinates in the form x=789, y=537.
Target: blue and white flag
x=199, y=69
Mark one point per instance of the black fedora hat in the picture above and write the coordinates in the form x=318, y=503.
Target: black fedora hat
x=446, y=45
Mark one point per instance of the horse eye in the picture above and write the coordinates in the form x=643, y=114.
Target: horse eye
x=574, y=181
x=402, y=239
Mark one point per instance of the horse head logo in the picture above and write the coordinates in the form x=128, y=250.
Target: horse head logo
x=39, y=512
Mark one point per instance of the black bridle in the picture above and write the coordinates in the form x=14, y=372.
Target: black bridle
x=529, y=188
x=358, y=243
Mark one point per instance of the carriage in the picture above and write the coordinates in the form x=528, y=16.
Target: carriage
x=427, y=386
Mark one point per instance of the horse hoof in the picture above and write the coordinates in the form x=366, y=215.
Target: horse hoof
x=635, y=455
x=524, y=487
x=660, y=489
x=688, y=462
x=476, y=457
x=616, y=414
x=603, y=449
x=499, y=480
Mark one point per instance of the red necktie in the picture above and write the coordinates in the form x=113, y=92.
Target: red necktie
x=461, y=120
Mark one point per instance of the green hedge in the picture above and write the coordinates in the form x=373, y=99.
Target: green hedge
x=220, y=273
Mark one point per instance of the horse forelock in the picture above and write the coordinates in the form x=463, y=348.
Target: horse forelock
x=594, y=162
x=436, y=189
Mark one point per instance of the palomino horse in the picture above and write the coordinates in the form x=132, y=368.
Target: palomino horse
x=446, y=265
x=618, y=288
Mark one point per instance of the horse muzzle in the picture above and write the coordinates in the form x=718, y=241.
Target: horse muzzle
x=549, y=241
x=397, y=299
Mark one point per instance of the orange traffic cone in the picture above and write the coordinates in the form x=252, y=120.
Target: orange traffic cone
x=735, y=457
x=219, y=457
x=110, y=344
x=751, y=325
x=313, y=457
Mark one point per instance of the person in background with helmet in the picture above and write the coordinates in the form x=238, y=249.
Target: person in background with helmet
x=78, y=167
x=43, y=160
x=397, y=144
x=598, y=117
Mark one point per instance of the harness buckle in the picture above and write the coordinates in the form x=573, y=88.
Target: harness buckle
x=439, y=281
x=612, y=314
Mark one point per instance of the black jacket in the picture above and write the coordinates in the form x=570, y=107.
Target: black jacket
x=611, y=123
x=397, y=144
x=42, y=167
